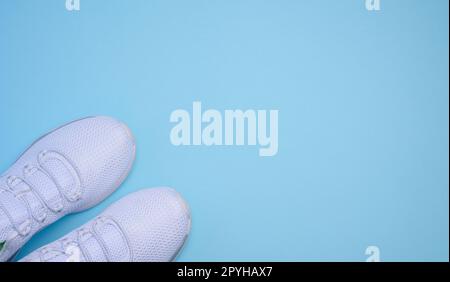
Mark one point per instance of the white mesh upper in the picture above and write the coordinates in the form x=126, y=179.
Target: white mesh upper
x=76, y=165
x=145, y=226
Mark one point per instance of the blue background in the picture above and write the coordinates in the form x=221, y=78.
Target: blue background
x=363, y=115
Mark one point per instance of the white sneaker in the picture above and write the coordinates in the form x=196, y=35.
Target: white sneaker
x=148, y=225
x=68, y=170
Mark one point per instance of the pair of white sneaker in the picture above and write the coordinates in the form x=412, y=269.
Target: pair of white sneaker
x=73, y=168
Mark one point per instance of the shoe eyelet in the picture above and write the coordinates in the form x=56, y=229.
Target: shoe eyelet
x=10, y=179
x=66, y=242
x=42, y=154
x=28, y=169
x=83, y=231
x=101, y=219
